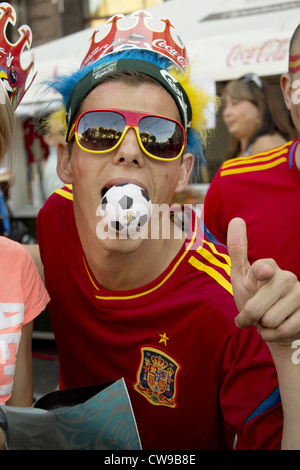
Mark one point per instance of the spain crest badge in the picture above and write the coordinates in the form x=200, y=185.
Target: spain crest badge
x=157, y=377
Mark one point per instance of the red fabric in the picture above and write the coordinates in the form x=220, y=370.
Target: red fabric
x=218, y=375
x=264, y=190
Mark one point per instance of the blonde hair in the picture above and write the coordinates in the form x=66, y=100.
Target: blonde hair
x=199, y=99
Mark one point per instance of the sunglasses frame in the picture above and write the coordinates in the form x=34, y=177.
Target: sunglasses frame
x=132, y=120
x=252, y=78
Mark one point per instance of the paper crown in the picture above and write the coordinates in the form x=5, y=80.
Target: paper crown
x=12, y=74
x=138, y=36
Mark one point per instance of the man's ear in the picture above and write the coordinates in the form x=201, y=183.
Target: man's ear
x=64, y=169
x=286, y=88
x=186, y=168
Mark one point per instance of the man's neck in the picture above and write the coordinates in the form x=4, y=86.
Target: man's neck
x=131, y=270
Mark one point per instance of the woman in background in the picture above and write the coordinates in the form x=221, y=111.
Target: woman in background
x=254, y=116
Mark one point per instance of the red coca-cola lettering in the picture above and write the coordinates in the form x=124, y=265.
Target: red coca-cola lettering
x=274, y=50
x=162, y=44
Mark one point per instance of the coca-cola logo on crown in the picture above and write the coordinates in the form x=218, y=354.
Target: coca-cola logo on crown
x=162, y=44
x=274, y=50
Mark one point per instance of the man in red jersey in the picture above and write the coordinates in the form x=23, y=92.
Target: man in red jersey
x=159, y=311
x=264, y=189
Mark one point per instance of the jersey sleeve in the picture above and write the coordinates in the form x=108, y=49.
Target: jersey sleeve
x=214, y=213
x=249, y=395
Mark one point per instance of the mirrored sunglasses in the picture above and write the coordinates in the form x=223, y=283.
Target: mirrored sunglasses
x=101, y=131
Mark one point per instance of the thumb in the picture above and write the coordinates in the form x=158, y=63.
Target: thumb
x=237, y=245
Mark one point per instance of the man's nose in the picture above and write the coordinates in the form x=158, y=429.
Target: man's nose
x=129, y=151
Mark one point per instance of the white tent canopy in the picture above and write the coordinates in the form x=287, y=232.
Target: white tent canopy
x=245, y=36
x=225, y=39
x=228, y=38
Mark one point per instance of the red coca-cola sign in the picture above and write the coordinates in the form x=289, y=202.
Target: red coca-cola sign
x=273, y=50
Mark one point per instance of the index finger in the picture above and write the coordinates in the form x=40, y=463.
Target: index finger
x=237, y=245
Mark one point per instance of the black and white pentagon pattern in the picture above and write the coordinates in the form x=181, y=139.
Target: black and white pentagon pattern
x=125, y=202
x=143, y=220
x=145, y=195
x=103, y=203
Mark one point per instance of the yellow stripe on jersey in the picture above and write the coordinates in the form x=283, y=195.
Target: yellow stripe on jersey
x=212, y=273
x=66, y=194
x=249, y=169
x=213, y=260
x=214, y=250
x=262, y=157
x=89, y=274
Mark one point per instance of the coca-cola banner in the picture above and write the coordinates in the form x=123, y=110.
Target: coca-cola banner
x=235, y=37
x=272, y=50
x=231, y=56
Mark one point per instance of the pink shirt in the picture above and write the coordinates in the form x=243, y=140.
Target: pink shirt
x=22, y=297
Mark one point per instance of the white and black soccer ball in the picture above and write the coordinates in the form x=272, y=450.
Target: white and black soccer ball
x=126, y=208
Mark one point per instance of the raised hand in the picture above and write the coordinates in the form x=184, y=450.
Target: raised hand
x=265, y=295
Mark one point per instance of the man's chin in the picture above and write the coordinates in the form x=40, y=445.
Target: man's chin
x=121, y=244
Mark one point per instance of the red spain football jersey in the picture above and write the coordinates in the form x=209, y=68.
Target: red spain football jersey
x=195, y=381
x=264, y=190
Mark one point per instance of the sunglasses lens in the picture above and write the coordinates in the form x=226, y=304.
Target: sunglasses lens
x=100, y=130
x=161, y=137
